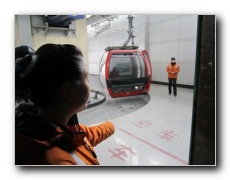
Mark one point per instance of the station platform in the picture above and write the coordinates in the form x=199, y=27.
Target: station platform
x=150, y=130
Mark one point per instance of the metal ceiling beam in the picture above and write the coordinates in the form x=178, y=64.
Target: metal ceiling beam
x=97, y=18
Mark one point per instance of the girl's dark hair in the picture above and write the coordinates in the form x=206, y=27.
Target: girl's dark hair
x=40, y=74
x=20, y=53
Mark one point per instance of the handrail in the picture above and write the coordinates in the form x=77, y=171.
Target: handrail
x=90, y=105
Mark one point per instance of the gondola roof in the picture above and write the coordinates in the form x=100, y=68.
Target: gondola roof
x=121, y=48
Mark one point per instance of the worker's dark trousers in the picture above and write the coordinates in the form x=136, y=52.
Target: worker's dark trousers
x=172, y=82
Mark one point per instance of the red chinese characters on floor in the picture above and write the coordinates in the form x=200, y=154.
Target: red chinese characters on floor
x=168, y=135
x=142, y=123
x=121, y=153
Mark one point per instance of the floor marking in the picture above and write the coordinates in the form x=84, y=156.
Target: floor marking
x=168, y=135
x=155, y=147
x=142, y=123
x=118, y=152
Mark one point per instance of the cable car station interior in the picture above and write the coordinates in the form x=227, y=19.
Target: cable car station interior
x=126, y=58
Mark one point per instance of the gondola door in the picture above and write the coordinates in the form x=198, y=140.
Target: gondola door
x=126, y=72
x=149, y=69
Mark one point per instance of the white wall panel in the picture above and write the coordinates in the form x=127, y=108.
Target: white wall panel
x=168, y=17
x=139, y=20
x=170, y=30
x=188, y=27
x=94, y=68
x=169, y=50
x=156, y=72
x=94, y=57
x=154, y=33
x=155, y=53
x=90, y=32
x=154, y=18
x=141, y=46
x=187, y=51
x=122, y=20
x=140, y=39
x=186, y=74
x=163, y=73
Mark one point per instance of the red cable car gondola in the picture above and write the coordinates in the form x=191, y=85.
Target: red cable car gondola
x=125, y=71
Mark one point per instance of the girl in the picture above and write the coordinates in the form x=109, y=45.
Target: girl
x=51, y=87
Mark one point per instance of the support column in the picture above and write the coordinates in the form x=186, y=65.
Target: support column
x=24, y=30
x=203, y=134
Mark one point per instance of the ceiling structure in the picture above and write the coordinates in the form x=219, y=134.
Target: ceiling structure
x=95, y=20
x=100, y=23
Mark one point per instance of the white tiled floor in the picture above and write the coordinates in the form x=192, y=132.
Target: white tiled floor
x=158, y=134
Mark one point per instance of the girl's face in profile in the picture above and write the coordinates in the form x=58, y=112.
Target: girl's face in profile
x=85, y=88
x=81, y=91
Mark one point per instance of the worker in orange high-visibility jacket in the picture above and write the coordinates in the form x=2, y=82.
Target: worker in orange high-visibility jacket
x=173, y=69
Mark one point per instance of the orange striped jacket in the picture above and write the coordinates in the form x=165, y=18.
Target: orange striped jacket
x=29, y=151
x=173, y=71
